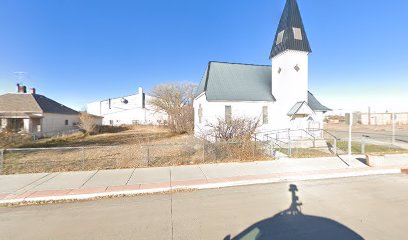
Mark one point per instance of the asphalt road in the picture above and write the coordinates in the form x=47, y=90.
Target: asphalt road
x=373, y=207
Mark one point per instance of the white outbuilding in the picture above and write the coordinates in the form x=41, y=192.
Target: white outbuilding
x=127, y=110
x=277, y=95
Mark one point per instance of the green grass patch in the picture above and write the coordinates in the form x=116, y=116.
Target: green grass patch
x=356, y=148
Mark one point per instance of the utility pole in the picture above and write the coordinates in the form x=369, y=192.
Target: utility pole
x=393, y=128
x=350, y=126
x=369, y=115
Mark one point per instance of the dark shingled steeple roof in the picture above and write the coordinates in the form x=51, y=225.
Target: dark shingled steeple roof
x=290, y=19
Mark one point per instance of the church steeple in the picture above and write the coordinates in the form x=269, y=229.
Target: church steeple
x=291, y=34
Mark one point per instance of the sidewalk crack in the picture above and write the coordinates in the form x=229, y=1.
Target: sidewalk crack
x=206, y=179
x=131, y=175
x=28, y=186
x=88, y=179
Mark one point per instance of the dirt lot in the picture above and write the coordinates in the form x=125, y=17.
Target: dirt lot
x=143, y=146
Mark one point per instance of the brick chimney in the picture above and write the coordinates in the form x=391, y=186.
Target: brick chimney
x=33, y=91
x=21, y=89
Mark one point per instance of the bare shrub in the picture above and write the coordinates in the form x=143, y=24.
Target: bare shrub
x=236, y=129
x=87, y=123
x=10, y=139
x=176, y=99
x=113, y=129
x=234, y=138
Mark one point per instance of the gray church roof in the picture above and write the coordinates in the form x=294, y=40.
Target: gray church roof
x=294, y=34
x=315, y=105
x=242, y=82
x=31, y=103
x=236, y=82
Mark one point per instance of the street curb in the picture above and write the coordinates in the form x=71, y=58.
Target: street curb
x=250, y=180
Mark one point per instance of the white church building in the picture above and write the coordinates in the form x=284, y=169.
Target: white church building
x=127, y=110
x=278, y=95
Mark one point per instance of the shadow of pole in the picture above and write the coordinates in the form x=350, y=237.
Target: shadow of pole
x=293, y=224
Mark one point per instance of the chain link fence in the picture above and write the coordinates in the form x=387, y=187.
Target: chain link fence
x=35, y=160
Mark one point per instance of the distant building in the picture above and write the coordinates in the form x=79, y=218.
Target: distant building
x=278, y=94
x=383, y=118
x=132, y=109
x=35, y=114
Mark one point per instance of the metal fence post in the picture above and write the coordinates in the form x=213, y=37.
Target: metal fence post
x=393, y=129
x=362, y=145
x=289, y=147
x=1, y=160
x=254, y=147
x=203, y=152
x=83, y=158
x=335, y=146
x=148, y=156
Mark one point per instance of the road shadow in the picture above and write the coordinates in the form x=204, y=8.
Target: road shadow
x=363, y=160
x=293, y=224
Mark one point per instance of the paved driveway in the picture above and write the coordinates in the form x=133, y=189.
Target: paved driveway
x=374, y=207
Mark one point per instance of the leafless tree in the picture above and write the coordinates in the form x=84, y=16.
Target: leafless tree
x=87, y=123
x=176, y=99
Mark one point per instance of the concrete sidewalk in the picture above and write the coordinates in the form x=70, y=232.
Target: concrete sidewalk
x=92, y=184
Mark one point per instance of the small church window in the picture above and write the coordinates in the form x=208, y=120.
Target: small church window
x=228, y=113
x=279, y=70
x=265, y=119
x=297, y=68
x=200, y=114
x=280, y=37
x=297, y=33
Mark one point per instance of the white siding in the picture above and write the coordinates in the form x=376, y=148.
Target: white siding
x=211, y=111
x=56, y=122
x=127, y=110
x=289, y=86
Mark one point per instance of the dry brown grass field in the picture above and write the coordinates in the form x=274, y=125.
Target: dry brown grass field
x=133, y=147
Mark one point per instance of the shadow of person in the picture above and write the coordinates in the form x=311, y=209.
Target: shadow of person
x=293, y=224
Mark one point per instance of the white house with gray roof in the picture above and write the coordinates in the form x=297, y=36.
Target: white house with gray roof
x=36, y=114
x=277, y=94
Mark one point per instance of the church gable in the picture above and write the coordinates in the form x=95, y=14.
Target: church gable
x=301, y=108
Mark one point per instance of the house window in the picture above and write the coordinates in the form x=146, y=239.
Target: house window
x=200, y=114
x=280, y=37
x=228, y=113
x=66, y=122
x=297, y=33
x=265, y=114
